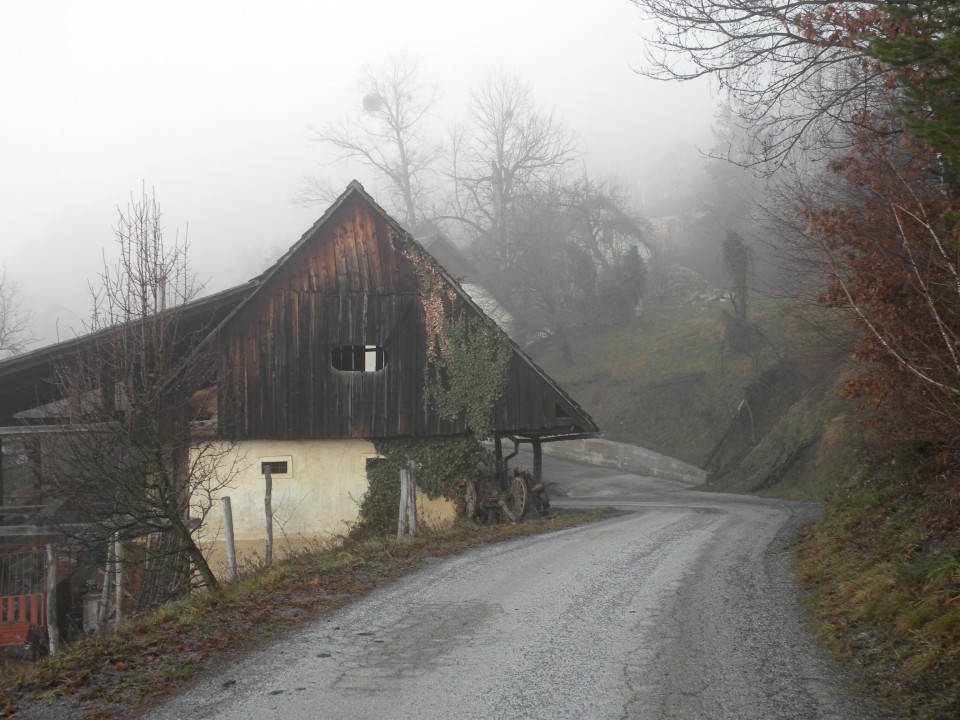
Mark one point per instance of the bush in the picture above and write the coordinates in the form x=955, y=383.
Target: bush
x=443, y=467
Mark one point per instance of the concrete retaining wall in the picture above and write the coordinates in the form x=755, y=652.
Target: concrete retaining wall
x=631, y=458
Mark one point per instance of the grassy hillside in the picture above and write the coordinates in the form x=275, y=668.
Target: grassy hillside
x=660, y=381
x=757, y=419
x=883, y=570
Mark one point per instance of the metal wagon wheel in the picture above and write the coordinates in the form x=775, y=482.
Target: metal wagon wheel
x=470, y=500
x=520, y=496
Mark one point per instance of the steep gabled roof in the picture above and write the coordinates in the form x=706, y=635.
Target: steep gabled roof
x=448, y=255
x=27, y=380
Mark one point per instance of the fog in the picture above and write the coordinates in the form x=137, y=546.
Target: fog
x=209, y=104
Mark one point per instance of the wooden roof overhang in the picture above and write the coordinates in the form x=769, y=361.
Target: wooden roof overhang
x=29, y=380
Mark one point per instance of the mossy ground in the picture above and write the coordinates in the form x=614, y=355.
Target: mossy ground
x=883, y=570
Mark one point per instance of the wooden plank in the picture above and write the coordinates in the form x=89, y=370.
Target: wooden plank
x=341, y=282
x=256, y=386
x=377, y=283
x=329, y=331
x=508, y=410
x=326, y=266
x=352, y=239
x=531, y=404
x=318, y=366
x=365, y=239
x=314, y=283
x=294, y=394
x=304, y=367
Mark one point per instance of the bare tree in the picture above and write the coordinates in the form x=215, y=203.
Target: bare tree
x=509, y=148
x=798, y=72
x=576, y=260
x=389, y=135
x=15, y=335
x=736, y=261
x=130, y=460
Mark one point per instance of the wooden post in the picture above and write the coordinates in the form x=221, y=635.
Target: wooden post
x=537, y=461
x=118, y=578
x=2, y=520
x=231, y=546
x=412, y=497
x=268, y=510
x=53, y=630
x=404, y=492
x=105, y=592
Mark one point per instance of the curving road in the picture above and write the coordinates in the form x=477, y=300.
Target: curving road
x=684, y=608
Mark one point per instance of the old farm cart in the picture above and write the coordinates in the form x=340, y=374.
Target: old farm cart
x=508, y=494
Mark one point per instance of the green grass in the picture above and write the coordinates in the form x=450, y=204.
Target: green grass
x=883, y=570
x=159, y=651
x=810, y=449
x=660, y=381
x=668, y=382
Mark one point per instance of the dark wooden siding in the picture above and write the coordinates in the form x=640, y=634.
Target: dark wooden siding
x=347, y=285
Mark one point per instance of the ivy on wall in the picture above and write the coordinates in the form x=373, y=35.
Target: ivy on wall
x=444, y=464
x=469, y=373
x=468, y=358
x=468, y=362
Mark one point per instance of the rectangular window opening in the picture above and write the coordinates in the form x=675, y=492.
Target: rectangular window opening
x=358, y=358
x=276, y=467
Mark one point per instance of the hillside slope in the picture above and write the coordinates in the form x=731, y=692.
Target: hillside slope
x=763, y=419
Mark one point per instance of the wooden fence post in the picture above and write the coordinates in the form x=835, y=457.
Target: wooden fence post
x=404, y=490
x=231, y=546
x=53, y=631
x=407, y=522
x=412, y=497
x=118, y=578
x=268, y=510
x=108, y=571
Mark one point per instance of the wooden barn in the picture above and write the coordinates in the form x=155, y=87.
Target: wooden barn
x=320, y=355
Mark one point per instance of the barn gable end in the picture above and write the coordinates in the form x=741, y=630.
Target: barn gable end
x=348, y=295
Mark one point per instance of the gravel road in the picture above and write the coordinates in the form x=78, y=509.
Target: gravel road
x=683, y=608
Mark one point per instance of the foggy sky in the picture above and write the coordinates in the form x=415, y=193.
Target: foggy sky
x=209, y=103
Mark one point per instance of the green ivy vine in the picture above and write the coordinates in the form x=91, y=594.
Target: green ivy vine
x=469, y=374
x=443, y=466
x=468, y=362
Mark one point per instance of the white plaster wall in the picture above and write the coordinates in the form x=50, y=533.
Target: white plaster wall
x=317, y=500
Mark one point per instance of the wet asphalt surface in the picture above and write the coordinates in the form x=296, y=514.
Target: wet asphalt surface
x=683, y=608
